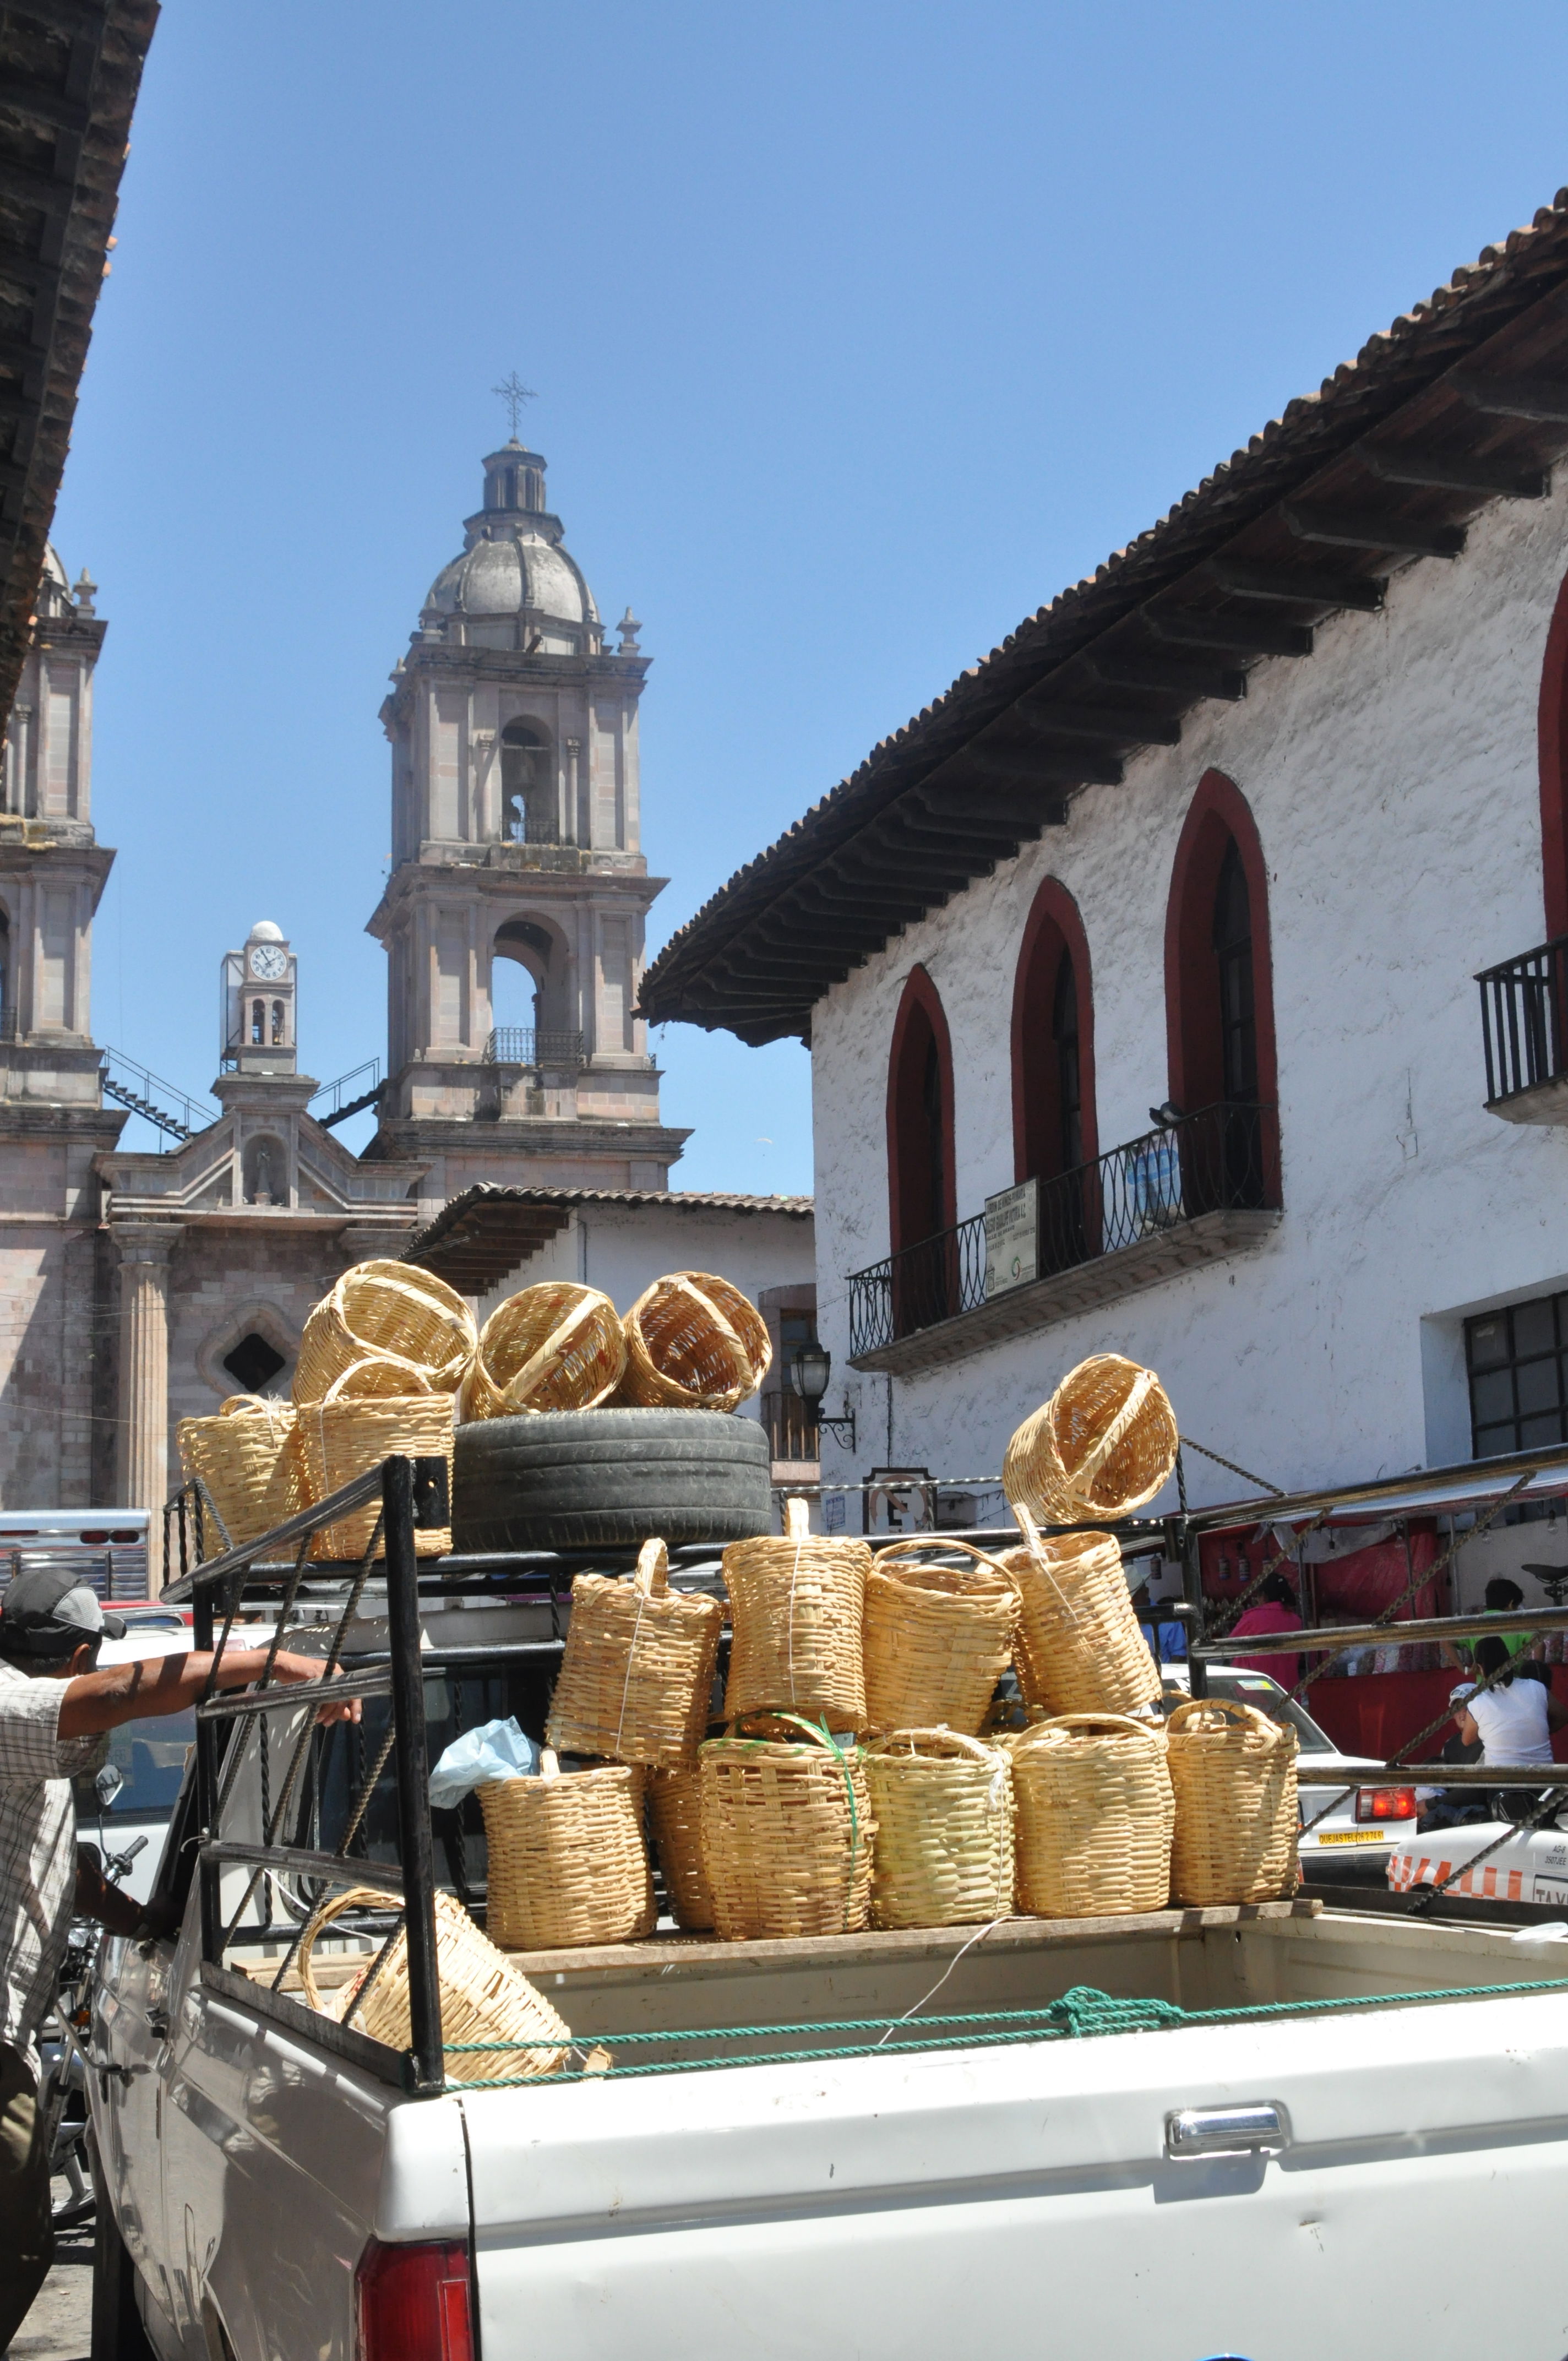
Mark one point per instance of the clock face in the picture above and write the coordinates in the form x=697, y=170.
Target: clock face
x=269, y=963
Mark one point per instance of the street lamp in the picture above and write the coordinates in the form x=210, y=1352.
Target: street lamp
x=810, y=1367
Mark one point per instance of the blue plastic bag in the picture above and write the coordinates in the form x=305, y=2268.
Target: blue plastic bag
x=495, y=1749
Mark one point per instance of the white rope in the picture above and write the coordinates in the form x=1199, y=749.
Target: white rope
x=946, y=1972
x=630, y=1660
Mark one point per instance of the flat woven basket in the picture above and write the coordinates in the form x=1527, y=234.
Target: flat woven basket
x=1233, y=1771
x=483, y=1997
x=942, y=1855
x=239, y=1458
x=796, y=1609
x=393, y=1310
x=567, y=1863
x=555, y=1347
x=1078, y=1648
x=353, y=1430
x=1103, y=1444
x=637, y=1675
x=937, y=1638
x=786, y=1832
x=675, y=1810
x=693, y=1342
x=1094, y=1817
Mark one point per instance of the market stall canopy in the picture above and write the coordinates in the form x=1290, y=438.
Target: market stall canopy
x=1474, y=1484
x=489, y=1231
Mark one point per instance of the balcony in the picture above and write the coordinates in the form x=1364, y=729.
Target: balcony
x=520, y=1045
x=792, y=1431
x=1197, y=1191
x=1524, y=1029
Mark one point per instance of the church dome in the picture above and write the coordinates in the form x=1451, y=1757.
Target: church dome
x=513, y=562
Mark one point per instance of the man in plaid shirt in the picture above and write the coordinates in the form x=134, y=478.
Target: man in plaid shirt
x=56, y=1710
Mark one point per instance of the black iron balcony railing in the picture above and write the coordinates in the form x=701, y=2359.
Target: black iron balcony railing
x=521, y=1045
x=1221, y=1158
x=1524, y=1020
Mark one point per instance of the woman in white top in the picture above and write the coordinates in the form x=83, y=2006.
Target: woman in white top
x=1515, y=1719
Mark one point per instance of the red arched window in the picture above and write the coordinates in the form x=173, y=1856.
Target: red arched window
x=1053, y=1042
x=1553, y=733
x=921, y=1199
x=1220, y=1003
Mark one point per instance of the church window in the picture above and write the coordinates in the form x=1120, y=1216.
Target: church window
x=254, y=1363
x=528, y=786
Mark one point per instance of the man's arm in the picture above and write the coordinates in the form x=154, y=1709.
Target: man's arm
x=162, y=1684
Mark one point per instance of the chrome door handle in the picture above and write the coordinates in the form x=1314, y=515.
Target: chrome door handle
x=158, y=2024
x=1226, y=2131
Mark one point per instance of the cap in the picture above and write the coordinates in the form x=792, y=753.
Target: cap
x=46, y=1610
x=1464, y=1689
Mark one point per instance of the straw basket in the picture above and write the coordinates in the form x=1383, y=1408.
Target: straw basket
x=1079, y=1649
x=352, y=1430
x=1233, y=1771
x=786, y=1832
x=555, y=1346
x=796, y=1604
x=937, y=1638
x=567, y=1862
x=637, y=1676
x=483, y=1997
x=1103, y=1444
x=674, y=1806
x=693, y=1342
x=1094, y=1816
x=943, y=1851
x=241, y=1460
x=392, y=1310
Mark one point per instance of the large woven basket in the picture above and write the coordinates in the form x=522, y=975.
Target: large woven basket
x=1078, y=1647
x=1233, y=1771
x=796, y=1608
x=1103, y=1444
x=239, y=1457
x=555, y=1347
x=786, y=1832
x=394, y=1310
x=937, y=1638
x=353, y=1430
x=567, y=1863
x=675, y=1809
x=943, y=1851
x=1094, y=1817
x=483, y=1997
x=636, y=1677
x=693, y=1342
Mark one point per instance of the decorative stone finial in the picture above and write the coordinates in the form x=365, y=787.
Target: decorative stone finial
x=628, y=627
x=85, y=592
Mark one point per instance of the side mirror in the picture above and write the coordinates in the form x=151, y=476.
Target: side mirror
x=107, y=1784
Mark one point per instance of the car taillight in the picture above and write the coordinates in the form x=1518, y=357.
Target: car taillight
x=410, y=2303
x=1385, y=1803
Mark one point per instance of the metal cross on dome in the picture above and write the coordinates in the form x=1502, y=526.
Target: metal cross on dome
x=514, y=393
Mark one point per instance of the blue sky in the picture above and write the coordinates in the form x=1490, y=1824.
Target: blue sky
x=857, y=332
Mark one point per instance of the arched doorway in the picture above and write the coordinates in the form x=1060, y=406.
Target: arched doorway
x=921, y=1189
x=1220, y=1004
x=1054, y=1130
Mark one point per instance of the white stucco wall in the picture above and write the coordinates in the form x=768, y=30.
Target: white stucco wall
x=1392, y=777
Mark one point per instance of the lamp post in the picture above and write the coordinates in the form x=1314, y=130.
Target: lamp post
x=809, y=1369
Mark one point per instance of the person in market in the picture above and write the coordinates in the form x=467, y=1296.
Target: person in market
x=1451, y=1807
x=1272, y=1609
x=56, y=1709
x=1514, y=1720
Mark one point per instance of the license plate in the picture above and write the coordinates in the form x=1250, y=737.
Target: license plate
x=1356, y=1836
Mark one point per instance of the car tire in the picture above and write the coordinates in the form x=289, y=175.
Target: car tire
x=608, y=1478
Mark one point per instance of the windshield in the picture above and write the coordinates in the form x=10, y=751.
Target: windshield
x=150, y=1758
x=1256, y=1688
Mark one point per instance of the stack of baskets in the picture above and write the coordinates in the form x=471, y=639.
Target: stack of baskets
x=248, y=1475
x=690, y=1342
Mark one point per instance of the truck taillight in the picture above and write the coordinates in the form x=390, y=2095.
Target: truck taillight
x=1385, y=1803
x=410, y=2303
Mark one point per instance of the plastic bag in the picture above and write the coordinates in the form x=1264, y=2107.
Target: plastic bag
x=495, y=1749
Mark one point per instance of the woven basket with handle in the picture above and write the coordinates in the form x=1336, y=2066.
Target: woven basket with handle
x=1094, y=1817
x=637, y=1675
x=943, y=1851
x=786, y=1832
x=240, y=1458
x=693, y=1342
x=395, y=1311
x=1079, y=1646
x=1233, y=1771
x=553, y=1346
x=1103, y=1444
x=937, y=1638
x=796, y=1609
x=483, y=1997
x=675, y=1809
x=567, y=1863
x=352, y=1431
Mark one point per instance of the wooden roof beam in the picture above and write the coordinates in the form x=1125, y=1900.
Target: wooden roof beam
x=1542, y=400
x=1434, y=471
x=1045, y=810
x=1135, y=669
x=1248, y=579
x=886, y=900
x=1115, y=725
x=1370, y=528
x=1037, y=765
x=1244, y=635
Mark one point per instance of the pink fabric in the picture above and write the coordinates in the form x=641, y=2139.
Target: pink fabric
x=1269, y=1616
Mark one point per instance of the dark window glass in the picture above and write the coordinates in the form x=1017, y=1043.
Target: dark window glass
x=1535, y=1329
x=1233, y=949
x=1488, y=1342
x=1540, y=1386
x=1069, y=1086
x=1518, y=1389
x=253, y=1363
x=931, y=1103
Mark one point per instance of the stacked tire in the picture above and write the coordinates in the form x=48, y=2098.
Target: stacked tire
x=608, y=1478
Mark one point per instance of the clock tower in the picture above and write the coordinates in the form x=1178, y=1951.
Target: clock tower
x=257, y=1005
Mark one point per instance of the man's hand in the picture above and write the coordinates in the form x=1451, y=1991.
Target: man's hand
x=287, y=1667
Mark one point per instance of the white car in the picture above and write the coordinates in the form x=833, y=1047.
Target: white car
x=148, y=1755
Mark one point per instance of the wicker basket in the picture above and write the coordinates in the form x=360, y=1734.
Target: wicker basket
x=483, y=1997
x=394, y=1310
x=693, y=1342
x=1079, y=1646
x=1103, y=1444
x=786, y=1832
x=240, y=1458
x=353, y=1430
x=567, y=1863
x=636, y=1679
x=937, y=1638
x=675, y=1807
x=943, y=1851
x=796, y=1607
x=555, y=1346
x=1094, y=1817
x=1233, y=1771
